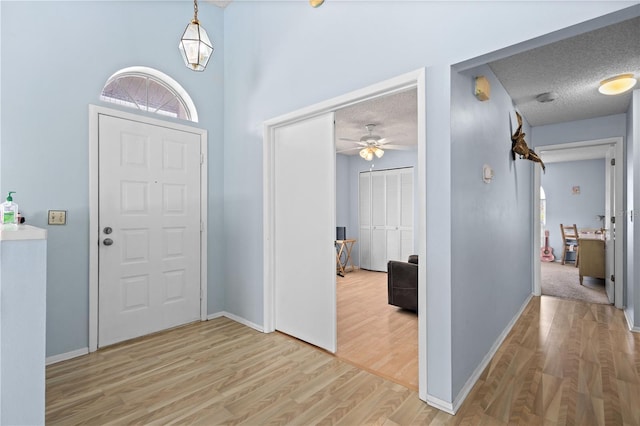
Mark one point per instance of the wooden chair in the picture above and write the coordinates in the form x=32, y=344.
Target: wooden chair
x=569, y=241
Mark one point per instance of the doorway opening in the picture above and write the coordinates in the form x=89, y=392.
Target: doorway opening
x=410, y=81
x=605, y=226
x=377, y=326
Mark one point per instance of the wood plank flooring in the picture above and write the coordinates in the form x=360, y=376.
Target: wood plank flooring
x=372, y=334
x=564, y=362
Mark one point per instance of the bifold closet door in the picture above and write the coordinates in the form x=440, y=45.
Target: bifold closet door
x=386, y=217
x=305, y=231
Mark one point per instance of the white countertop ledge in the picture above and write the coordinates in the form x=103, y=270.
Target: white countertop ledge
x=22, y=232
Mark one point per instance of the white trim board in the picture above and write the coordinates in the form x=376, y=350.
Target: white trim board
x=237, y=319
x=412, y=80
x=464, y=392
x=630, y=323
x=620, y=215
x=66, y=356
x=94, y=113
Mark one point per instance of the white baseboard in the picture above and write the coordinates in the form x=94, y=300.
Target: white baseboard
x=84, y=351
x=630, y=323
x=236, y=319
x=65, y=356
x=440, y=404
x=464, y=392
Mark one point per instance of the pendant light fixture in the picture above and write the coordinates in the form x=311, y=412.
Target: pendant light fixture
x=316, y=3
x=195, y=46
x=617, y=85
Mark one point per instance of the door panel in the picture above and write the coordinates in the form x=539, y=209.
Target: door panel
x=304, y=236
x=364, y=214
x=149, y=215
x=610, y=234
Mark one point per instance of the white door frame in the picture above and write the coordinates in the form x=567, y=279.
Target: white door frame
x=415, y=79
x=619, y=214
x=94, y=231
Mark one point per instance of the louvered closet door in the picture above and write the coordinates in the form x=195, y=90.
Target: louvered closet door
x=405, y=215
x=378, y=221
x=386, y=217
x=364, y=243
x=392, y=184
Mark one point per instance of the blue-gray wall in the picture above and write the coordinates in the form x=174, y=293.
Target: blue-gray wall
x=347, y=182
x=563, y=206
x=278, y=57
x=283, y=57
x=491, y=239
x=44, y=143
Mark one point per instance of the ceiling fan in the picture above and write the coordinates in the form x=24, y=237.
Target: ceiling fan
x=370, y=144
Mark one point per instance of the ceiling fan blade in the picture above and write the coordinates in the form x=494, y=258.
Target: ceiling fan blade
x=347, y=139
x=400, y=147
x=348, y=149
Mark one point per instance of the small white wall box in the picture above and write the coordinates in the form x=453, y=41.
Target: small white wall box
x=487, y=173
x=57, y=217
x=482, y=89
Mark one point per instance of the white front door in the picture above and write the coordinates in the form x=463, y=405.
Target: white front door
x=305, y=231
x=149, y=219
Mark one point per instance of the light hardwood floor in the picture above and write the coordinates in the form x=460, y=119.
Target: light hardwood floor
x=372, y=334
x=564, y=362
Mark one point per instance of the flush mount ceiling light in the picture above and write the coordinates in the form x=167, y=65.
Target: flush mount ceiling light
x=617, y=85
x=195, y=46
x=316, y=3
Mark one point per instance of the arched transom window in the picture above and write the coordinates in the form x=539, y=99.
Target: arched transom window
x=150, y=90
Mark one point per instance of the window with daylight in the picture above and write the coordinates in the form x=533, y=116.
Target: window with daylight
x=150, y=90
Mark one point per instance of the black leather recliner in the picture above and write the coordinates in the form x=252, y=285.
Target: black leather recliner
x=402, y=282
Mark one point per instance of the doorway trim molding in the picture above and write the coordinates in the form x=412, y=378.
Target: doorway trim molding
x=619, y=214
x=94, y=232
x=411, y=80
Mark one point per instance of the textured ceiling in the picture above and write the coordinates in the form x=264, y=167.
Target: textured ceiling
x=395, y=117
x=573, y=68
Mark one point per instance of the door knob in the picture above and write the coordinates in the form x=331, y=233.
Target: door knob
x=107, y=241
x=107, y=230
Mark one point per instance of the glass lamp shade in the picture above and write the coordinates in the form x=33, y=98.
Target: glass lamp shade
x=378, y=152
x=195, y=47
x=367, y=154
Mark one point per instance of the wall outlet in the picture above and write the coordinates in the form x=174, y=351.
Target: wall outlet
x=57, y=217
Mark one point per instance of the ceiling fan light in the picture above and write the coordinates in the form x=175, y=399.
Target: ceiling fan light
x=617, y=85
x=363, y=153
x=378, y=152
x=369, y=156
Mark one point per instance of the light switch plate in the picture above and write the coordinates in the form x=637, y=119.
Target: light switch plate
x=57, y=217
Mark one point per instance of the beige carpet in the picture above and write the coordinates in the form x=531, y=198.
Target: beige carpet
x=563, y=281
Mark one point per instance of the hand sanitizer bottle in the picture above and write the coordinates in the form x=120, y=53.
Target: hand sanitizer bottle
x=9, y=211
